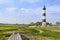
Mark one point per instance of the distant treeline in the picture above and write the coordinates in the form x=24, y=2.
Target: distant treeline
x=31, y=24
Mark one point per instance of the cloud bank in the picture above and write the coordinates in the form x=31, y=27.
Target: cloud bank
x=27, y=11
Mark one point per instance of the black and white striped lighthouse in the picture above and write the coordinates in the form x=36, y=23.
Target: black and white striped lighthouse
x=44, y=17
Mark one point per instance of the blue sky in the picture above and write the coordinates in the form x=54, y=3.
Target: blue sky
x=27, y=11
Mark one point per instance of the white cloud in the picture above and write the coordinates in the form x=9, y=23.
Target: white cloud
x=22, y=9
x=53, y=13
x=8, y=15
x=23, y=15
x=55, y=9
x=11, y=9
x=26, y=14
x=30, y=11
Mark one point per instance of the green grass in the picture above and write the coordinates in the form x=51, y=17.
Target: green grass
x=7, y=30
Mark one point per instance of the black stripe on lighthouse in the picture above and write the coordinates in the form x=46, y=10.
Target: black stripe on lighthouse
x=44, y=14
x=44, y=20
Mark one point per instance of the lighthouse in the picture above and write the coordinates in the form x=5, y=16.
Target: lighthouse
x=44, y=17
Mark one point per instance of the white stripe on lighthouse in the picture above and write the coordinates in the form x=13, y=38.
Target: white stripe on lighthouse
x=44, y=11
x=44, y=17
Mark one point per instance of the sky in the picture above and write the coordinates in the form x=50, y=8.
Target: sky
x=27, y=11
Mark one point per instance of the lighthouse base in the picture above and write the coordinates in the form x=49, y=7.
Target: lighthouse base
x=44, y=24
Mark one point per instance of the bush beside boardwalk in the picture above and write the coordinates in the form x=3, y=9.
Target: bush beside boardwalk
x=49, y=33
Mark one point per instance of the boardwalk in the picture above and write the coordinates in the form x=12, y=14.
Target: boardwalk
x=15, y=36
